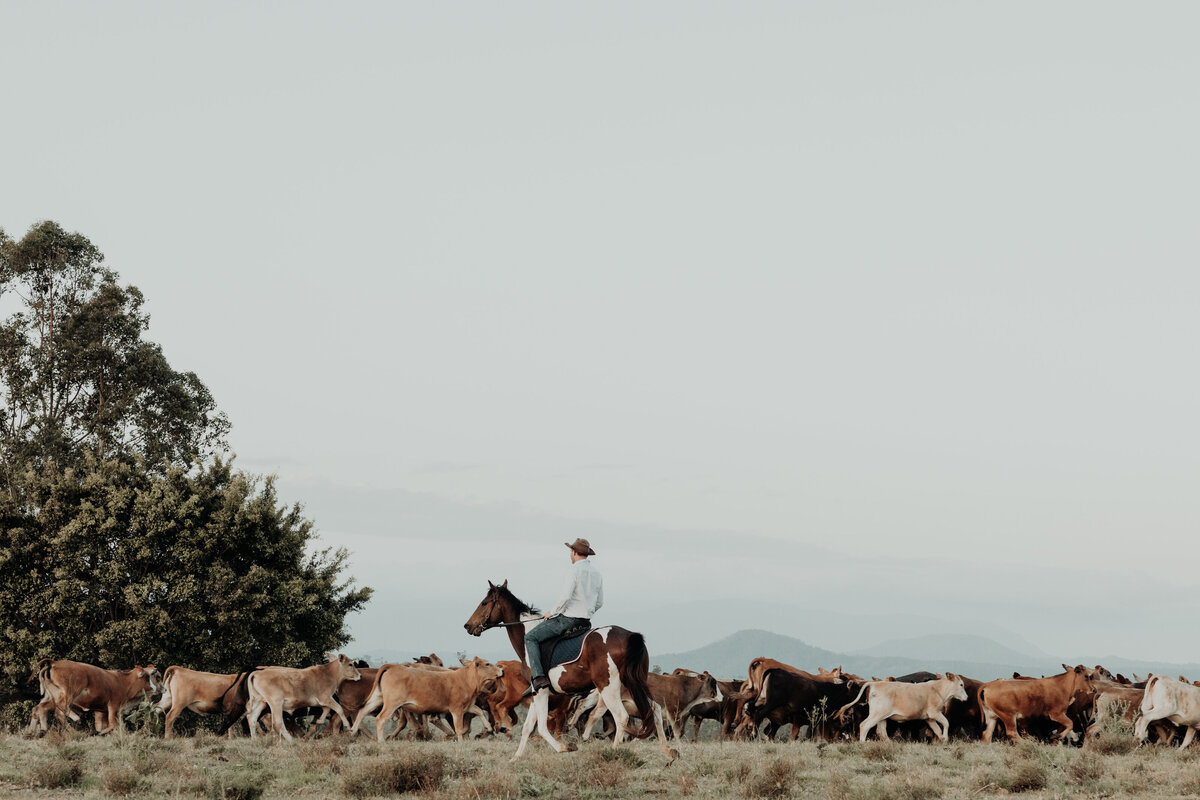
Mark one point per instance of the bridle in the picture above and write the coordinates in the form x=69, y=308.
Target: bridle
x=488, y=624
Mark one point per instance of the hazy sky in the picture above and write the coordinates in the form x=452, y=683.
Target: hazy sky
x=855, y=306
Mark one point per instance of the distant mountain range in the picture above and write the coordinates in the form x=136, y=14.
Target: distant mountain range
x=974, y=656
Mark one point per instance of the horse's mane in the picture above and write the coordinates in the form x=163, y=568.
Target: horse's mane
x=521, y=605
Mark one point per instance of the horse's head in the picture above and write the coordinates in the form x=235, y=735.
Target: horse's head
x=489, y=612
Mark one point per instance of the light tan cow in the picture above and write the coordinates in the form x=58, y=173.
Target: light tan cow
x=400, y=687
x=1168, y=699
x=284, y=689
x=109, y=692
x=904, y=702
x=191, y=690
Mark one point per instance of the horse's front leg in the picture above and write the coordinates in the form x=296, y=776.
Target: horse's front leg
x=538, y=715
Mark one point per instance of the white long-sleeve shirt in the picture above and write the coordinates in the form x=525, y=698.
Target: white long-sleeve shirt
x=584, y=592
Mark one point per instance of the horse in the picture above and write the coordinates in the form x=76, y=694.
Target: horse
x=611, y=658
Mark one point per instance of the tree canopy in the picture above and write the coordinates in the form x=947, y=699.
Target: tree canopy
x=125, y=537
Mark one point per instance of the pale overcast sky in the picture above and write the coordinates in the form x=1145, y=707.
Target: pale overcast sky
x=855, y=306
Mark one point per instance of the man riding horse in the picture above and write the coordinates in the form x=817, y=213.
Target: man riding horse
x=582, y=597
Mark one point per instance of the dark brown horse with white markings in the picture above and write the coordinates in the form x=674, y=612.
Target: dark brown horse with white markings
x=612, y=658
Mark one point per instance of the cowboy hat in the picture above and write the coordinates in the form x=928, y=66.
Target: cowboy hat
x=582, y=547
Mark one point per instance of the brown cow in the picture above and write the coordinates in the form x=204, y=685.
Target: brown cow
x=759, y=666
x=507, y=695
x=192, y=690
x=285, y=689
x=723, y=711
x=424, y=692
x=1009, y=700
x=74, y=685
x=353, y=696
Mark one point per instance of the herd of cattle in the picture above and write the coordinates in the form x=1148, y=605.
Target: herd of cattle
x=829, y=704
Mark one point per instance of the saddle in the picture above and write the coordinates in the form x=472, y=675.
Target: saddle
x=566, y=647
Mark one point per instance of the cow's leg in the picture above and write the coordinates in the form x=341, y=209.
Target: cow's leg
x=1187, y=737
x=254, y=710
x=945, y=723
x=477, y=711
x=1068, y=731
x=381, y=720
x=657, y=711
x=459, y=729
x=872, y=720
x=669, y=718
x=1165, y=732
x=598, y=712
x=369, y=707
x=277, y=718
x=436, y=721
x=597, y=709
x=169, y=720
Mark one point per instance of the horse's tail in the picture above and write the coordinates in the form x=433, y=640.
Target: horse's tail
x=634, y=670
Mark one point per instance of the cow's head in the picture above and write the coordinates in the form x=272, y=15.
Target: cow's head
x=487, y=673
x=150, y=676
x=960, y=687
x=711, y=688
x=345, y=669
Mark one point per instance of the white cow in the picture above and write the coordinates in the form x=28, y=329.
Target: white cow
x=908, y=701
x=1172, y=700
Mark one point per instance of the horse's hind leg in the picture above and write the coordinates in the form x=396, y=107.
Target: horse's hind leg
x=611, y=695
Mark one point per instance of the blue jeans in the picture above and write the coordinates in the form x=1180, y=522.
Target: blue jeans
x=546, y=629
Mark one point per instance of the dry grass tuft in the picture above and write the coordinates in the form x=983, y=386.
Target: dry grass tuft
x=877, y=750
x=390, y=775
x=236, y=787
x=1085, y=768
x=121, y=780
x=1028, y=776
x=55, y=773
x=776, y=779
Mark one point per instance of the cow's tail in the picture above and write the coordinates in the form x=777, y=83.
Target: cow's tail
x=866, y=687
x=982, y=701
x=634, y=669
x=368, y=707
x=42, y=665
x=164, y=702
x=241, y=694
x=1148, y=699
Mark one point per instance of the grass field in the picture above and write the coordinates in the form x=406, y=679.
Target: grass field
x=74, y=765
